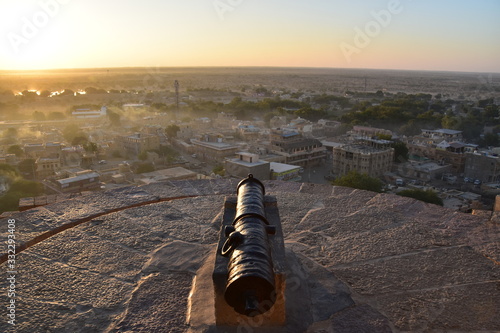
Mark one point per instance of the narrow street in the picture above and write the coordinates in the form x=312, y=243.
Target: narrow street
x=316, y=174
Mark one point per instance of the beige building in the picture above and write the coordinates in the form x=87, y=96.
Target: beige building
x=371, y=157
x=134, y=144
x=209, y=150
x=246, y=163
x=46, y=167
x=296, y=149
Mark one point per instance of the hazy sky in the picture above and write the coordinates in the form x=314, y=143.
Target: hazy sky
x=396, y=34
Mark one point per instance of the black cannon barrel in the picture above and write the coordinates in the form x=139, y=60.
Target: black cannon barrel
x=250, y=287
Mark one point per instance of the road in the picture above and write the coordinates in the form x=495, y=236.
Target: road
x=316, y=174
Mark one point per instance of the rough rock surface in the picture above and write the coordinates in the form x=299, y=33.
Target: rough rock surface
x=91, y=263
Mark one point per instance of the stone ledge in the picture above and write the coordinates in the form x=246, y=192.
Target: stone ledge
x=383, y=247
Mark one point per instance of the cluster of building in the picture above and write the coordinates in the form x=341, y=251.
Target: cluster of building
x=280, y=149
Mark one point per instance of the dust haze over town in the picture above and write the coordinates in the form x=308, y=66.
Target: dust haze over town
x=68, y=131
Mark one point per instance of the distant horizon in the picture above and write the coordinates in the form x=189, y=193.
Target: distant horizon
x=242, y=67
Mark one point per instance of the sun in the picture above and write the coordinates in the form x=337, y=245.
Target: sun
x=33, y=39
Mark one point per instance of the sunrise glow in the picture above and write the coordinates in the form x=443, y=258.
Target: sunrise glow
x=394, y=34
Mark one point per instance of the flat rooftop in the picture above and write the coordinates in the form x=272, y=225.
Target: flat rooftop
x=281, y=167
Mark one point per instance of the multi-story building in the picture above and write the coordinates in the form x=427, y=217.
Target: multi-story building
x=483, y=166
x=133, y=145
x=211, y=147
x=46, y=167
x=48, y=149
x=441, y=145
x=296, y=149
x=368, y=156
x=441, y=134
x=454, y=154
x=248, y=132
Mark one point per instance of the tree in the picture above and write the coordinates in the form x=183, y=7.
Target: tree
x=20, y=188
x=27, y=167
x=171, y=131
x=360, y=181
x=79, y=140
x=400, y=152
x=94, y=91
x=411, y=128
x=382, y=136
x=449, y=122
x=45, y=93
x=71, y=131
x=490, y=140
x=6, y=168
x=29, y=95
x=491, y=111
x=219, y=170
x=310, y=113
x=167, y=152
x=90, y=147
x=38, y=116
x=428, y=196
x=16, y=149
x=67, y=92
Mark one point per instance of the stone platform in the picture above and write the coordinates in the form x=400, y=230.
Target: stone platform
x=124, y=260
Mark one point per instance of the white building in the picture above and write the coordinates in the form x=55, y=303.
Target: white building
x=87, y=113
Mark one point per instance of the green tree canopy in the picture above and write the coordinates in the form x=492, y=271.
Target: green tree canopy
x=90, y=147
x=16, y=149
x=27, y=167
x=171, y=131
x=219, y=170
x=428, y=196
x=360, y=181
x=490, y=139
x=400, y=152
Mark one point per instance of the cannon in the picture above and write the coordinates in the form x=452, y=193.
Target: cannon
x=250, y=285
